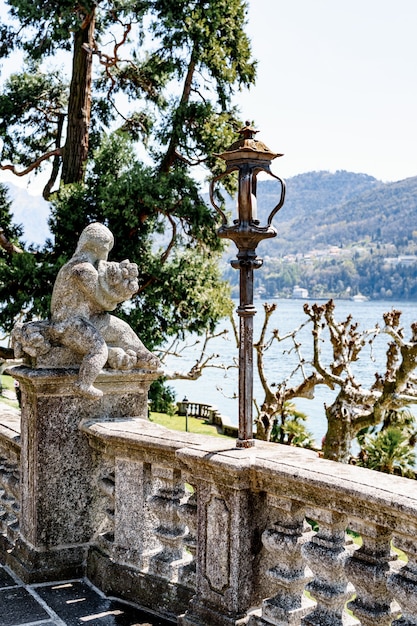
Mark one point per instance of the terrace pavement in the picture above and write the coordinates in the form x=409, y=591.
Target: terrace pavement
x=65, y=603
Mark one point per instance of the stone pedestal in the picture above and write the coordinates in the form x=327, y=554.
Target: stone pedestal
x=60, y=506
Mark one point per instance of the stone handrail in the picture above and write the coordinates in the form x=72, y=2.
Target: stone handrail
x=237, y=544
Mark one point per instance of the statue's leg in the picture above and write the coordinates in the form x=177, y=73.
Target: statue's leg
x=84, y=338
x=118, y=334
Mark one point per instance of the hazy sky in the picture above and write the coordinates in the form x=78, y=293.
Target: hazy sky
x=337, y=85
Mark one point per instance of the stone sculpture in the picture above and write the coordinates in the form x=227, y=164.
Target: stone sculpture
x=81, y=330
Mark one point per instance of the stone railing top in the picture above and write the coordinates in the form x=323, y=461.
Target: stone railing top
x=291, y=472
x=65, y=377
x=133, y=435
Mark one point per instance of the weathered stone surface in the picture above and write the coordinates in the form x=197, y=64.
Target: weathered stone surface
x=217, y=562
x=61, y=504
x=81, y=332
x=227, y=514
x=283, y=540
x=129, y=583
x=133, y=539
x=9, y=478
x=402, y=584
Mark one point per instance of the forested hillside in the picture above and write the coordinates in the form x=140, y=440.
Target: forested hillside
x=340, y=234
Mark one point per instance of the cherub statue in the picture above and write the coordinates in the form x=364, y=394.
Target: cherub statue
x=85, y=290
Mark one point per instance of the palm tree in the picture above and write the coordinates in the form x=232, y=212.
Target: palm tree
x=389, y=451
x=289, y=428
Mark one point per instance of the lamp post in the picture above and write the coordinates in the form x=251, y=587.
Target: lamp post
x=249, y=157
x=185, y=401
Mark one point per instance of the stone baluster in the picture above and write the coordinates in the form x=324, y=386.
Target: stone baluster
x=9, y=499
x=144, y=560
x=135, y=521
x=325, y=554
x=367, y=569
x=106, y=485
x=283, y=542
x=171, y=531
x=403, y=583
x=188, y=514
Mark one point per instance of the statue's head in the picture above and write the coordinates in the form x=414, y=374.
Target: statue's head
x=96, y=238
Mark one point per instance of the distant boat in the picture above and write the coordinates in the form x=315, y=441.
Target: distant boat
x=360, y=298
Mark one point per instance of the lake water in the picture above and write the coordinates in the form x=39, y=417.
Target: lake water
x=218, y=386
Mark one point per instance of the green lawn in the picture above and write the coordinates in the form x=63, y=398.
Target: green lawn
x=177, y=422
x=7, y=382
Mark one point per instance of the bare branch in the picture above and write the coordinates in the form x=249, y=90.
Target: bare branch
x=7, y=245
x=34, y=165
x=171, y=244
x=203, y=361
x=56, y=160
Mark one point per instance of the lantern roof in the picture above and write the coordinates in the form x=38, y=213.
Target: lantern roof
x=248, y=148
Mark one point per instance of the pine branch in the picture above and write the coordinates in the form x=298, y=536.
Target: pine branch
x=7, y=245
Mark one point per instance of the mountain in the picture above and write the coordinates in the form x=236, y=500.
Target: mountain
x=340, y=209
x=321, y=209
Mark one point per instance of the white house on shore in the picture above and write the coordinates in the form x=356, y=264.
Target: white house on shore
x=299, y=292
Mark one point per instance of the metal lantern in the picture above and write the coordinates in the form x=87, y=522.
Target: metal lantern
x=249, y=157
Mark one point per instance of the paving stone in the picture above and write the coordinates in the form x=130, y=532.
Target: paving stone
x=5, y=579
x=77, y=604
x=19, y=607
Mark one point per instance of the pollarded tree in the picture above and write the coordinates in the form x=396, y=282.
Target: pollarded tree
x=355, y=407
x=271, y=414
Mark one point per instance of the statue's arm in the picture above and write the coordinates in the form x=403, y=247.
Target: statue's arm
x=117, y=282
x=108, y=285
x=86, y=279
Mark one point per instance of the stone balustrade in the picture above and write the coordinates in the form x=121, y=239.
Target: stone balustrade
x=203, y=533
x=229, y=530
x=200, y=410
x=205, y=411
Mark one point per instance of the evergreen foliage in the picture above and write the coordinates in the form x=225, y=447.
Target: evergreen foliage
x=173, y=65
x=175, y=62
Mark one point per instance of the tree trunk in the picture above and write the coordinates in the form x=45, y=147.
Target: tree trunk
x=171, y=153
x=338, y=438
x=79, y=105
x=264, y=425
